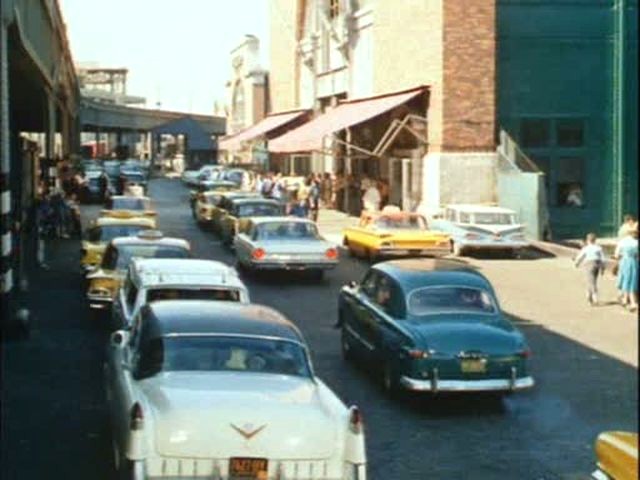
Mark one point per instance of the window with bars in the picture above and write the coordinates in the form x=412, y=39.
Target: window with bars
x=334, y=8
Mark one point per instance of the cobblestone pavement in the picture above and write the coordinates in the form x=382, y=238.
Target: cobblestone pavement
x=53, y=416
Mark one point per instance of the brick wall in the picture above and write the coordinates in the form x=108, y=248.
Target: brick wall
x=469, y=58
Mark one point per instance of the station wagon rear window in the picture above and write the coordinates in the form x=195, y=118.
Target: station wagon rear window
x=119, y=258
x=259, y=210
x=286, y=231
x=408, y=222
x=106, y=233
x=220, y=294
x=491, y=218
x=450, y=299
x=129, y=203
x=202, y=353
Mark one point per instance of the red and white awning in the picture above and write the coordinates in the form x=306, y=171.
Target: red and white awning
x=268, y=124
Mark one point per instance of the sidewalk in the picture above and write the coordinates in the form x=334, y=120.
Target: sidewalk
x=331, y=223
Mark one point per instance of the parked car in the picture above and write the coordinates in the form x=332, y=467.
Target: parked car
x=92, y=191
x=209, y=186
x=221, y=390
x=155, y=279
x=135, y=179
x=393, y=232
x=104, y=282
x=210, y=205
x=432, y=325
x=478, y=227
x=112, y=169
x=235, y=218
x=284, y=243
x=191, y=177
x=104, y=229
x=123, y=206
x=239, y=176
x=617, y=456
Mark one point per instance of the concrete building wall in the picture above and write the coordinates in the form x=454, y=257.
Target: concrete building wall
x=283, y=64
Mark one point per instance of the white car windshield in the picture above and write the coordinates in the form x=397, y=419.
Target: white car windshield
x=491, y=218
x=106, y=233
x=202, y=353
x=287, y=231
x=129, y=203
x=406, y=222
x=450, y=299
x=219, y=294
x=119, y=258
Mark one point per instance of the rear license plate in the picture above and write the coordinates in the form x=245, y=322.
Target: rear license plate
x=248, y=468
x=473, y=366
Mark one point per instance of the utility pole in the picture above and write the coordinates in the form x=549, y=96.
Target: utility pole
x=619, y=45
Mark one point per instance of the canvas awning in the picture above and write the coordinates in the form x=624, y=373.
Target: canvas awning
x=263, y=127
x=309, y=136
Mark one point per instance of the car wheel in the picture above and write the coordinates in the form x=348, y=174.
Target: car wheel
x=345, y=346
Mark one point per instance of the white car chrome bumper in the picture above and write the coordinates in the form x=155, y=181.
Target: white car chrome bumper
x=491, y=385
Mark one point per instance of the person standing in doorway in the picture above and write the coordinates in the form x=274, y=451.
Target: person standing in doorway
x=371, y=198
x=592, y=258
x=627, y=256
x=628, y=223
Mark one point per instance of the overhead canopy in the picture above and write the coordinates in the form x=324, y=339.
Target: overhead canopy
x=309, y=136
x=197, y=137
x=263, y=127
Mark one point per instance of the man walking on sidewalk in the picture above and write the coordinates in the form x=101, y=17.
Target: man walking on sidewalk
x=593, y=258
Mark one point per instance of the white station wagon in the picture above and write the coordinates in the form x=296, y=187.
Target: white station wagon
x=222, y=391
x=155, y=279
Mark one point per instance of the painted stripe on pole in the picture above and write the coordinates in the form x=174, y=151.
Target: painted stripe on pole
x=7, y=281
x=5, y=201
x=6, y=244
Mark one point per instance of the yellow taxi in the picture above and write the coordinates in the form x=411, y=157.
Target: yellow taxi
x=617, y=456
x=104, y=282
x=104, y=229
x=124, y=206
x=210, y=206
x=393, y=232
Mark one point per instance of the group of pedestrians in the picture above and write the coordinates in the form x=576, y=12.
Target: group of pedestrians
x=625, y=264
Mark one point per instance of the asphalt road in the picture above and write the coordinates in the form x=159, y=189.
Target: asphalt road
x=54, y=416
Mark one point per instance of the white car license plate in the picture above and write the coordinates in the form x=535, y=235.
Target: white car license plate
x=248, y=468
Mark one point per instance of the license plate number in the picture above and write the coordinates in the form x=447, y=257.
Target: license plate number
x=473, y=366
x=248, y=468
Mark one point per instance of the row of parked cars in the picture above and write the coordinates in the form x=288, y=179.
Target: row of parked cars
x=132, y=172
x=202, y=383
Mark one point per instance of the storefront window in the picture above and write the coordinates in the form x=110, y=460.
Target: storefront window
x=570, y=133
x=534, y=132
x=570, y=182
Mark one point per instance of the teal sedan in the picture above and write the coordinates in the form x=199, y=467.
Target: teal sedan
x=432, y=325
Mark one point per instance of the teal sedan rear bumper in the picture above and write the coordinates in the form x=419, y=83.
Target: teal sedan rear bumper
x=435, y=384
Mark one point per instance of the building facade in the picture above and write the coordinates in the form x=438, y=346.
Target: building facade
x=246, y=94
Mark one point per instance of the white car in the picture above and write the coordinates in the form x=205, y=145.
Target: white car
x=154, y=279
x=192, y=177
x=284, y=243
x=221, y=390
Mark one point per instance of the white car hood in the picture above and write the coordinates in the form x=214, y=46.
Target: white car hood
x=281, y=416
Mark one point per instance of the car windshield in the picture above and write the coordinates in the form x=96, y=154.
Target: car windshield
x=491, y=218
x=213, y=199
x=119, y=258
x=202, y=353
x=106, y=233
x=259, y=210
x=134, y=177
x=405, y=222
x=287, y=231
x=219, y=294
x=453, y=299
x=129, y=203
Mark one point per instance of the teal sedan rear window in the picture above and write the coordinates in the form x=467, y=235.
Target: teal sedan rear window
x=450, y=299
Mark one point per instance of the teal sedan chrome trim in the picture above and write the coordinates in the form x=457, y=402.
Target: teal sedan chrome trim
x=493, y=385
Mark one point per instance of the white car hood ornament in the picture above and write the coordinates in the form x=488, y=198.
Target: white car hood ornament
x=247, y=430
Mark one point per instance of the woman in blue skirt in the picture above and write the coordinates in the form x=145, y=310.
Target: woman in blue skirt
x=627, y=256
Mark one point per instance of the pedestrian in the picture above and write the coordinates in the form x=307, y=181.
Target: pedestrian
x=383, y=188
x=337, y=198
x=627, y=256
x=628, y=223
x=103, y=185
x=327, y=190
x=314, y=198
x=591, y=257
x=371, y=198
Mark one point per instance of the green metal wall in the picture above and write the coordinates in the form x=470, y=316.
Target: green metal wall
x=558, y=70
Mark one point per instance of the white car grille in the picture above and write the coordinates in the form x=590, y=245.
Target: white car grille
x=165, y=468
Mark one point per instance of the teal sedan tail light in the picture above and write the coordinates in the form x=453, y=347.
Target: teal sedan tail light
x=525, y=353
x=416, y=353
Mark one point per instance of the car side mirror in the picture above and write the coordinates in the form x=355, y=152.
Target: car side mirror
x=119, y=338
